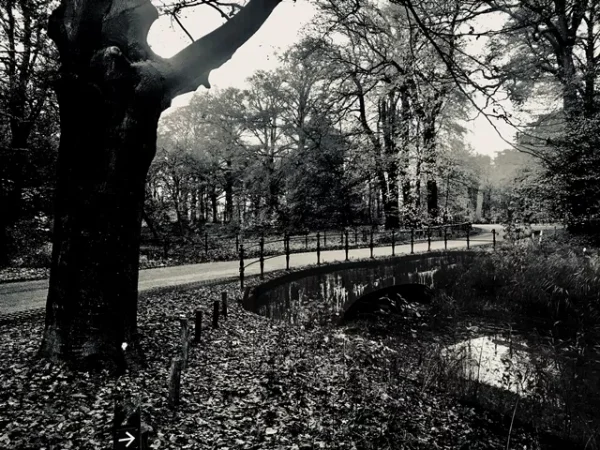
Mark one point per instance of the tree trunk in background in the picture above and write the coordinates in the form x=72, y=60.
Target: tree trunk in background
x=214, y=206
x=229, y=193
x=111, y=92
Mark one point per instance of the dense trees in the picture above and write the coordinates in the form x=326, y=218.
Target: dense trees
x=28, y=124
x=364, y=122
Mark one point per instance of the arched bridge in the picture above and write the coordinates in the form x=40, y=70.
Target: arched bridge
x=333, y=289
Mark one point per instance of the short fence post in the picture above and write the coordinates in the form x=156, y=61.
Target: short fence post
x=412, y=241
x=445, y=238
x=468, y=239
x=237, y=243
x=224, y=309
x=262, y=257
x=198, y=326
x=318, y=249
x=494, y=238
x=185, y=341
x=215, y=321
x=206, y=244
x=393, y=242
x=241, y=267
x=371, y=242
x=347, y=245
x=342, y=237
x=554, y=230
x=175, y=382
x=428, y=239
x=287, y=251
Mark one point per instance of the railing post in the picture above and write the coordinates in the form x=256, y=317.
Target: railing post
x=494, y=238
x=412, y=241
x=318, y=249
x=242, y=267
x=371, y=242
x=428, y=239
x=237, y=243
x=262, y=257
x=224, y=308
x=286, y=244
x=347, y=246
x=445, y=237
x=342, y=237
x=468, y=238
x=206, y=244
x=393, y=242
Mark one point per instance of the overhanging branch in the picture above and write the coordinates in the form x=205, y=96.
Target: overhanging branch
x=191, y=67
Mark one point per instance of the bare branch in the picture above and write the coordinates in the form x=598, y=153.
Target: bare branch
x=191, y=67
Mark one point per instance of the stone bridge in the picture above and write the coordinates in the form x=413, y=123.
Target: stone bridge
x=336, y=287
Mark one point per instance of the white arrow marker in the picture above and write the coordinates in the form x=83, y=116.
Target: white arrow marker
x=131, y=438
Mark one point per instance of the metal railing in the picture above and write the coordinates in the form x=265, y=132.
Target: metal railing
x=347, y=239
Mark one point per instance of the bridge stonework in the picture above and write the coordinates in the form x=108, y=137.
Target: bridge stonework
x=337, y=286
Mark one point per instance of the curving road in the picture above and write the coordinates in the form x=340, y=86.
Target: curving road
x=25, y=296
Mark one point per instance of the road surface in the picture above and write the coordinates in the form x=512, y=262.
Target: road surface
x=24, y=296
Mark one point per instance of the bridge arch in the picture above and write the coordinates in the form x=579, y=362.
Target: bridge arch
x=334, y=288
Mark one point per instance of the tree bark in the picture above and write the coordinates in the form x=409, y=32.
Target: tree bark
x=111, y=93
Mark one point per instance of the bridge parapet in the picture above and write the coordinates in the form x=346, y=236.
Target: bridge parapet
x=333, y=288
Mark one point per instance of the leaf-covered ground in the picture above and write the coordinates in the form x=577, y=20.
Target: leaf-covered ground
x=250, y=384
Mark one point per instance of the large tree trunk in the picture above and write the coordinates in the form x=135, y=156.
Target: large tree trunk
x=112, y=91
x=103, y=160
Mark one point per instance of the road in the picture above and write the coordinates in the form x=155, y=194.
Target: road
x=30, y=295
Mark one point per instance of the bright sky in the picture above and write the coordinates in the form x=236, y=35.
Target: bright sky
x=280, y=31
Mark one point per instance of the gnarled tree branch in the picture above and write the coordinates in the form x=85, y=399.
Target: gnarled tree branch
x=190, y=68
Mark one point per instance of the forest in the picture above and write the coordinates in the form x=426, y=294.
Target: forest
x=365, y=121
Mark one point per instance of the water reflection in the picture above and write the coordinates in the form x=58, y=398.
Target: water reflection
x=503, y=362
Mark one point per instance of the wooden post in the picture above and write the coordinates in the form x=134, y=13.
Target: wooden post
x=287, y=252
x=215, y=321
x=412, y=241
x=185, y=342
x=371, y=242
x=318, y=249
x=393, y=242
x=242, y=267
x=342, y=237
x=262, y=257
x=428, y=239
x=468, y=238
x=224, y=309
x=445, y=238
x=347, y=245
x=494, y=238
x=175, y=382
x=198, y=326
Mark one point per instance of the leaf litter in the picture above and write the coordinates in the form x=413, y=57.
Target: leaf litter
x=250, y=384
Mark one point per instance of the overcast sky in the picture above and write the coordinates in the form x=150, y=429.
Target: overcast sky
x=280, y=31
